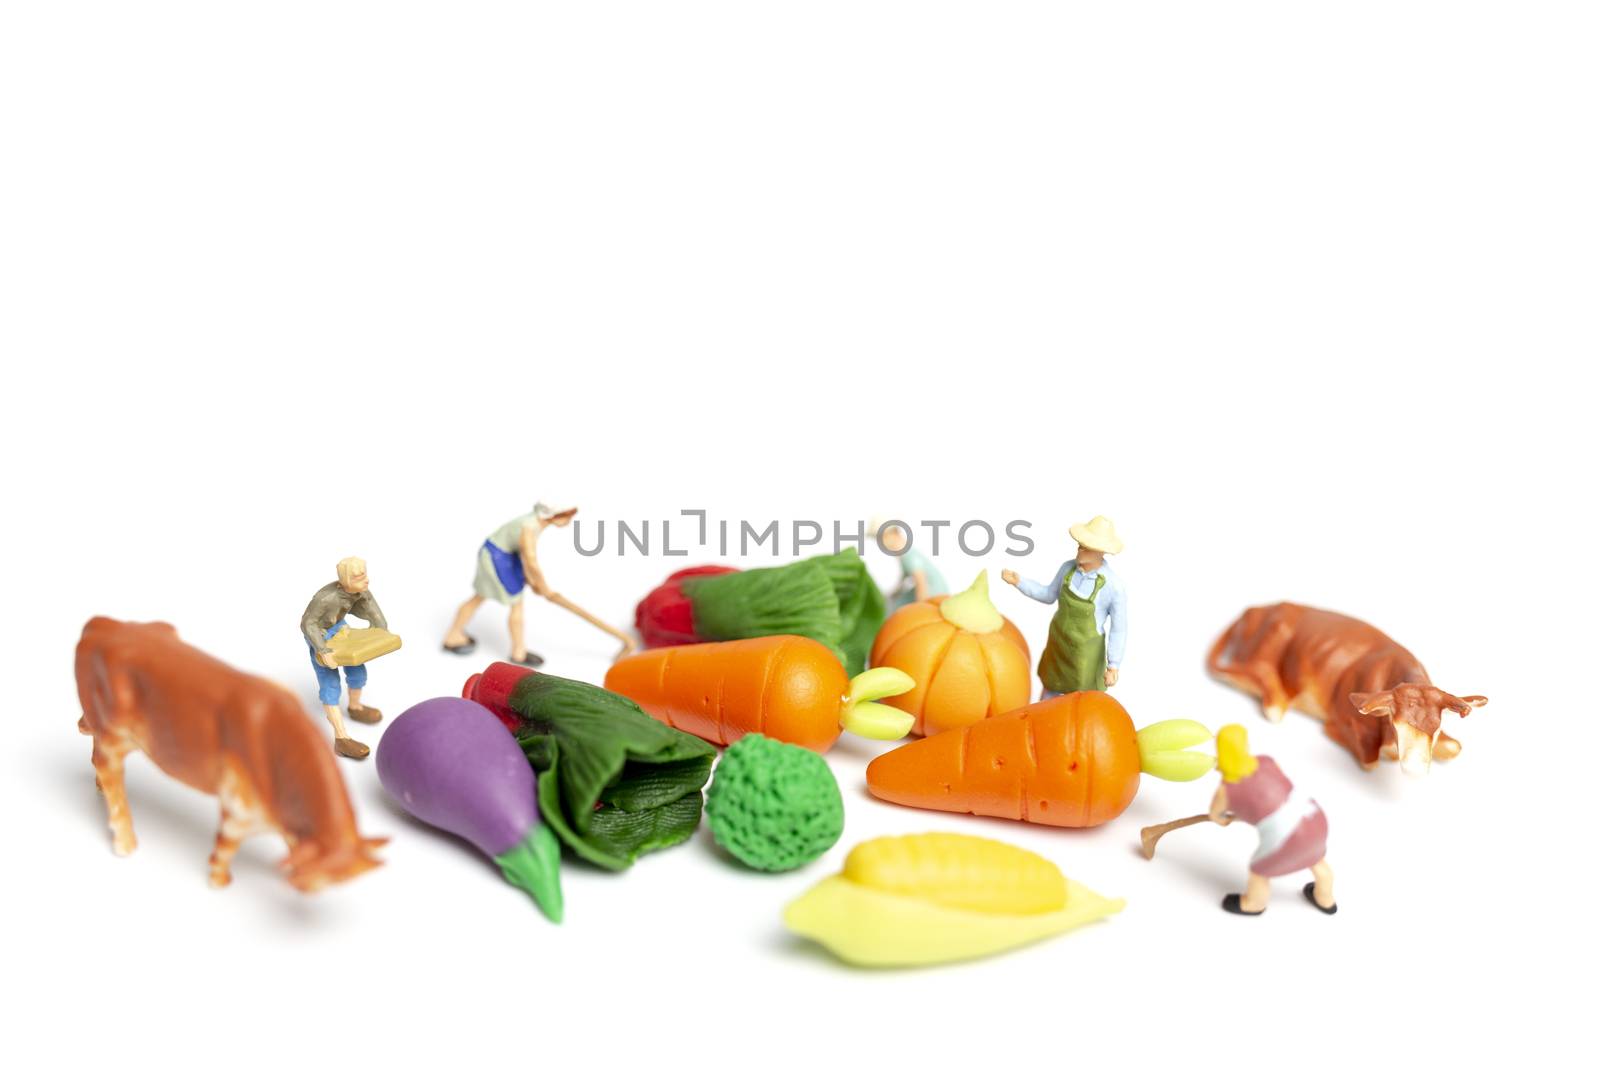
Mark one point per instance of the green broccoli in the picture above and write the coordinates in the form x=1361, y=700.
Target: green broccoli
x=774, y=806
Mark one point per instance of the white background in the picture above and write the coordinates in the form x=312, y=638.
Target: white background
x=1302, y=295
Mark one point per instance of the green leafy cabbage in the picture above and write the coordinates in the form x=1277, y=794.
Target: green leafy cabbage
x=613, y=782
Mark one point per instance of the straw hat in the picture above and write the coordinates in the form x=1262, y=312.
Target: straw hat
x=1098, y=534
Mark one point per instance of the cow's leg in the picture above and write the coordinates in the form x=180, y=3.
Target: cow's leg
x=1275, y=708
x=1446, y=747
x=1260, y=679
x=1265, y=682
x=107, y=758
x=238, y=822
x=229, y=834
x=1260, y=669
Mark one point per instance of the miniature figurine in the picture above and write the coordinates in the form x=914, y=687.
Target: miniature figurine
x=242, y=739
x=935, y=898
x=508, y=563
x=1293, y=830
x=332, y=647
x=1372, y=696
x=919, y=578
x=1090, y=627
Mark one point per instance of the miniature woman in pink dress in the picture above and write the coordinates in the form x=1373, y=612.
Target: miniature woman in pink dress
x=1294, y=832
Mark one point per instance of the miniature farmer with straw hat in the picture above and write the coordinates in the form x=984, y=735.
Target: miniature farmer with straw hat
x=1090, y=628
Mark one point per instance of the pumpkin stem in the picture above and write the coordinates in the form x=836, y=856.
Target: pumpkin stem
x=860, y=713
x=1163, y=750
x=972, y=610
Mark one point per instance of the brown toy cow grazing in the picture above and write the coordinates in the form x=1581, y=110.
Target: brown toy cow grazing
x=1372, y=696
x=241, y=738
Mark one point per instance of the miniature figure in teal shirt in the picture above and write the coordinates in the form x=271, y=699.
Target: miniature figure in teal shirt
x=1090, y=629
x=919, y=578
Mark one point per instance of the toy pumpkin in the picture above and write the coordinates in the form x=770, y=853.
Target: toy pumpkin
x=969, y=661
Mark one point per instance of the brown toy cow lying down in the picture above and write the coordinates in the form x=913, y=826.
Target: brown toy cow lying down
x=242, y=739
x=1372, y=696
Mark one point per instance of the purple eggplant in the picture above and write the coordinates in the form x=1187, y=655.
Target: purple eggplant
x=451, y=763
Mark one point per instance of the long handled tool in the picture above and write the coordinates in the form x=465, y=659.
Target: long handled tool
x=628, y=643
x=1151, y=834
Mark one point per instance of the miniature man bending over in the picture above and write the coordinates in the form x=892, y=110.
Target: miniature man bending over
x=324, y=617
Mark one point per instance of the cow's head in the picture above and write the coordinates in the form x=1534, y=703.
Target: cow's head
x=1417, y=714
x=310, y=866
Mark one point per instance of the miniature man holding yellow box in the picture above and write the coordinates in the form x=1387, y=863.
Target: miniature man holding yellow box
x=324, y=618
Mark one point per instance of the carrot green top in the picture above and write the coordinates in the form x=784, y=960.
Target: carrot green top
x=1165, y=750
x=862, y=715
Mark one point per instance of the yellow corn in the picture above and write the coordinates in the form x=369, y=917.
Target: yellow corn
x=935, y=898
x=957, y=871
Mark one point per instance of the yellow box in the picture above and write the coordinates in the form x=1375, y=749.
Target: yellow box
x=352, y=646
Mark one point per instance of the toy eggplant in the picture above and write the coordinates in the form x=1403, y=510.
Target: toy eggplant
x=449, y=763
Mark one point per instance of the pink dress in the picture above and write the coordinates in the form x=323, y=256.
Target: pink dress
x=1293, y=830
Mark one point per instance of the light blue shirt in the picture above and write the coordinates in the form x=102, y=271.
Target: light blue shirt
x=1110, y=607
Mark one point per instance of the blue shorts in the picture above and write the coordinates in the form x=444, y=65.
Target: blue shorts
x=328, y=677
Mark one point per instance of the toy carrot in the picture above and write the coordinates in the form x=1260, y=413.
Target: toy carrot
x=787, y=687
x=831, y=599
x=1072, y=760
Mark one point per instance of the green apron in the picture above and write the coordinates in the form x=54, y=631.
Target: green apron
x=1075, y=654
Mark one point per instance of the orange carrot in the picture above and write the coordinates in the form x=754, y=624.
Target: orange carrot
x=787, y=687
x=1072, y=760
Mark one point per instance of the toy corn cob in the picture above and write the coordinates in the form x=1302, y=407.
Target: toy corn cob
x=936, y=898
x=831, y=599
